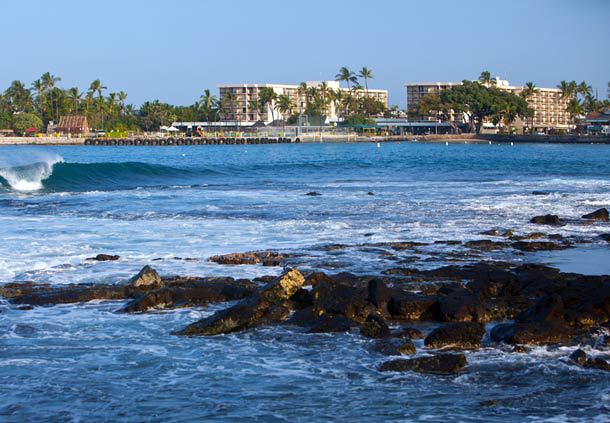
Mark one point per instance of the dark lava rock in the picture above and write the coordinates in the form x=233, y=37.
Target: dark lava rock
x=540, y=193
x=436, y=364
x=600, y=215
x=302, y=299
x=46, y=295
x=266, y=258
x=393, y=347
x=374, y=327
x=463, y=335
x=579, y=357
x=546, y=309
x=259, y=309
x=541, y=333
x=328, y=323
x=192, y=292
x=370, y=193
x=25, y=307
x=462, y=305
x=313, y=193
x=410, y=333
x=549, y=219
x=147, y=278
x=485, y=245
x=519, y=349
x=104, y=257
x=605, y=237
x=337, y=298
x=409, y=306
x=313, y=278
x=539, y=246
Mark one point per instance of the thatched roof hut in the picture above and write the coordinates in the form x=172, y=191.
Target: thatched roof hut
x=73, y=125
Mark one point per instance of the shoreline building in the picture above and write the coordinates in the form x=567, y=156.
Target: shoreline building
x=550, y=108
x=246, y=109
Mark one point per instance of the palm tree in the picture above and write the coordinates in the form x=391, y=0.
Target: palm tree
x=529, y=90
x=567, y=89
x=485, y=78
x=584, y=89
x=48, y=82
x=97, y=87
x=366, y=74
x=208, y=102
x=122, y=96
x=575, y=108
x=267, y=97
x=75, y=95
x=229, y=106
x=346, y=75
x=285, y=105
x=39, y=88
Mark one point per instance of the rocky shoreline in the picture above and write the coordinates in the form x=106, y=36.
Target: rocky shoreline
x=466, y=306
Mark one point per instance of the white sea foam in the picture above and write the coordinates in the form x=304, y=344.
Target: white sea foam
x=27, y=173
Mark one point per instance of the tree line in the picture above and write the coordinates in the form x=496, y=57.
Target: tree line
x=482, y=101
x=44, y=101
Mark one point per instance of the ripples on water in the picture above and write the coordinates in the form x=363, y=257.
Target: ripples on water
x=85, y=362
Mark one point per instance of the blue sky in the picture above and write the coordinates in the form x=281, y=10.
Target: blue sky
x=173, y=50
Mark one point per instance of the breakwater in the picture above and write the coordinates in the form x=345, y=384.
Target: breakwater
x=188, y=141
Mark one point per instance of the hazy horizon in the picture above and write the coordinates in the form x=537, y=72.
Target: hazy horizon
x=173, y=52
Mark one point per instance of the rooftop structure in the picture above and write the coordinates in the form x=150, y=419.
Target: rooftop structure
x=72, y=125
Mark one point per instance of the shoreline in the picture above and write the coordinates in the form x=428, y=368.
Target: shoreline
x=330, y=138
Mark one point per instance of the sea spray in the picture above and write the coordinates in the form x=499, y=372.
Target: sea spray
x=27, y=172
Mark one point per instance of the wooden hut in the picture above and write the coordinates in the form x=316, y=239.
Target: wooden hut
x=73, y=125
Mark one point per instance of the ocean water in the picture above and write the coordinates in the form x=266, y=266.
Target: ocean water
x=153, y=205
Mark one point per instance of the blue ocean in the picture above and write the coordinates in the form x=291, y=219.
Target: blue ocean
x=173, y=207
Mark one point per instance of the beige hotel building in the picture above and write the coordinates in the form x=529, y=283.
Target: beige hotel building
x=548, y=104
x=247, y=95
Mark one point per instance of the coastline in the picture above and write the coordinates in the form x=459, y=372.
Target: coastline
x=316, y=138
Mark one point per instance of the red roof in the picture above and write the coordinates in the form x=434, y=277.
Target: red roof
x=31, y=129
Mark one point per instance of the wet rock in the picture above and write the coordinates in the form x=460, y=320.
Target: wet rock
x=409, y=306
x=546, y=309
x=104, y=257
x=436, y=364
x=409, y=333
x=462, y=305
x=540, y=193
x=314, y=278
x=67, y=294
x=548, y=219
x=485, y=245
x=600, y=215
x=579, y=357
x=605, y=237
x=379, y=295
x=338, y=298
x=519, y=349
x=539, y=246
x=394, y=347
x=266, y=258
x=541, y=333
x=374, y=327
x=192, y=292
x=252, y=311
x=313, y=193
x=302, y=299
x=464, y=335
x=370, y=193
x=25, y=307
x=147, y=278
x=328, y=323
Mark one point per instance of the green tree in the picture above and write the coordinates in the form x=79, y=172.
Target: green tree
x=346, y=76
x=575, y=109
x=48, y=82
x=486, y=79
x=24, y=121
x=267, y=97
x=366, y=74
x=153, y=115
x=208, y=103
